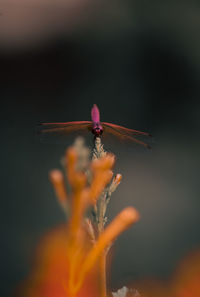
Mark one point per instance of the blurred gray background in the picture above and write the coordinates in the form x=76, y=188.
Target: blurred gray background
x=139, y=61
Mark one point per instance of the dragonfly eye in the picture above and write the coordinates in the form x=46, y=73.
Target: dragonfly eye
x=97, y=131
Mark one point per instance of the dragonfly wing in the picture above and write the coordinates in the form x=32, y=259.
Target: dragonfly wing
x=64, y=124
x=65, y=128
x=125, y=130
x=124, y=136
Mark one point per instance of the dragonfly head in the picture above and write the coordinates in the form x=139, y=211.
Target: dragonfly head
x=97, y=131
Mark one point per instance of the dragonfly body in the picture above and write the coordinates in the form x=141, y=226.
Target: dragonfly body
x=96, y=127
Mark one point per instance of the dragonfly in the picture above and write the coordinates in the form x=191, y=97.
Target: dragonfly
x=97, y=128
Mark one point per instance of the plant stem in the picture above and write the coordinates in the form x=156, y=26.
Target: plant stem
x=98, y=152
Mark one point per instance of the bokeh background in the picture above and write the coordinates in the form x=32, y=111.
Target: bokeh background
x=139, y=61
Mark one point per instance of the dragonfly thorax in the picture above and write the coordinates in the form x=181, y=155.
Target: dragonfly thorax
x=97, y=129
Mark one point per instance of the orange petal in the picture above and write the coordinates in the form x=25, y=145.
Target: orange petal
x=57, y=179
x=121, y=222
